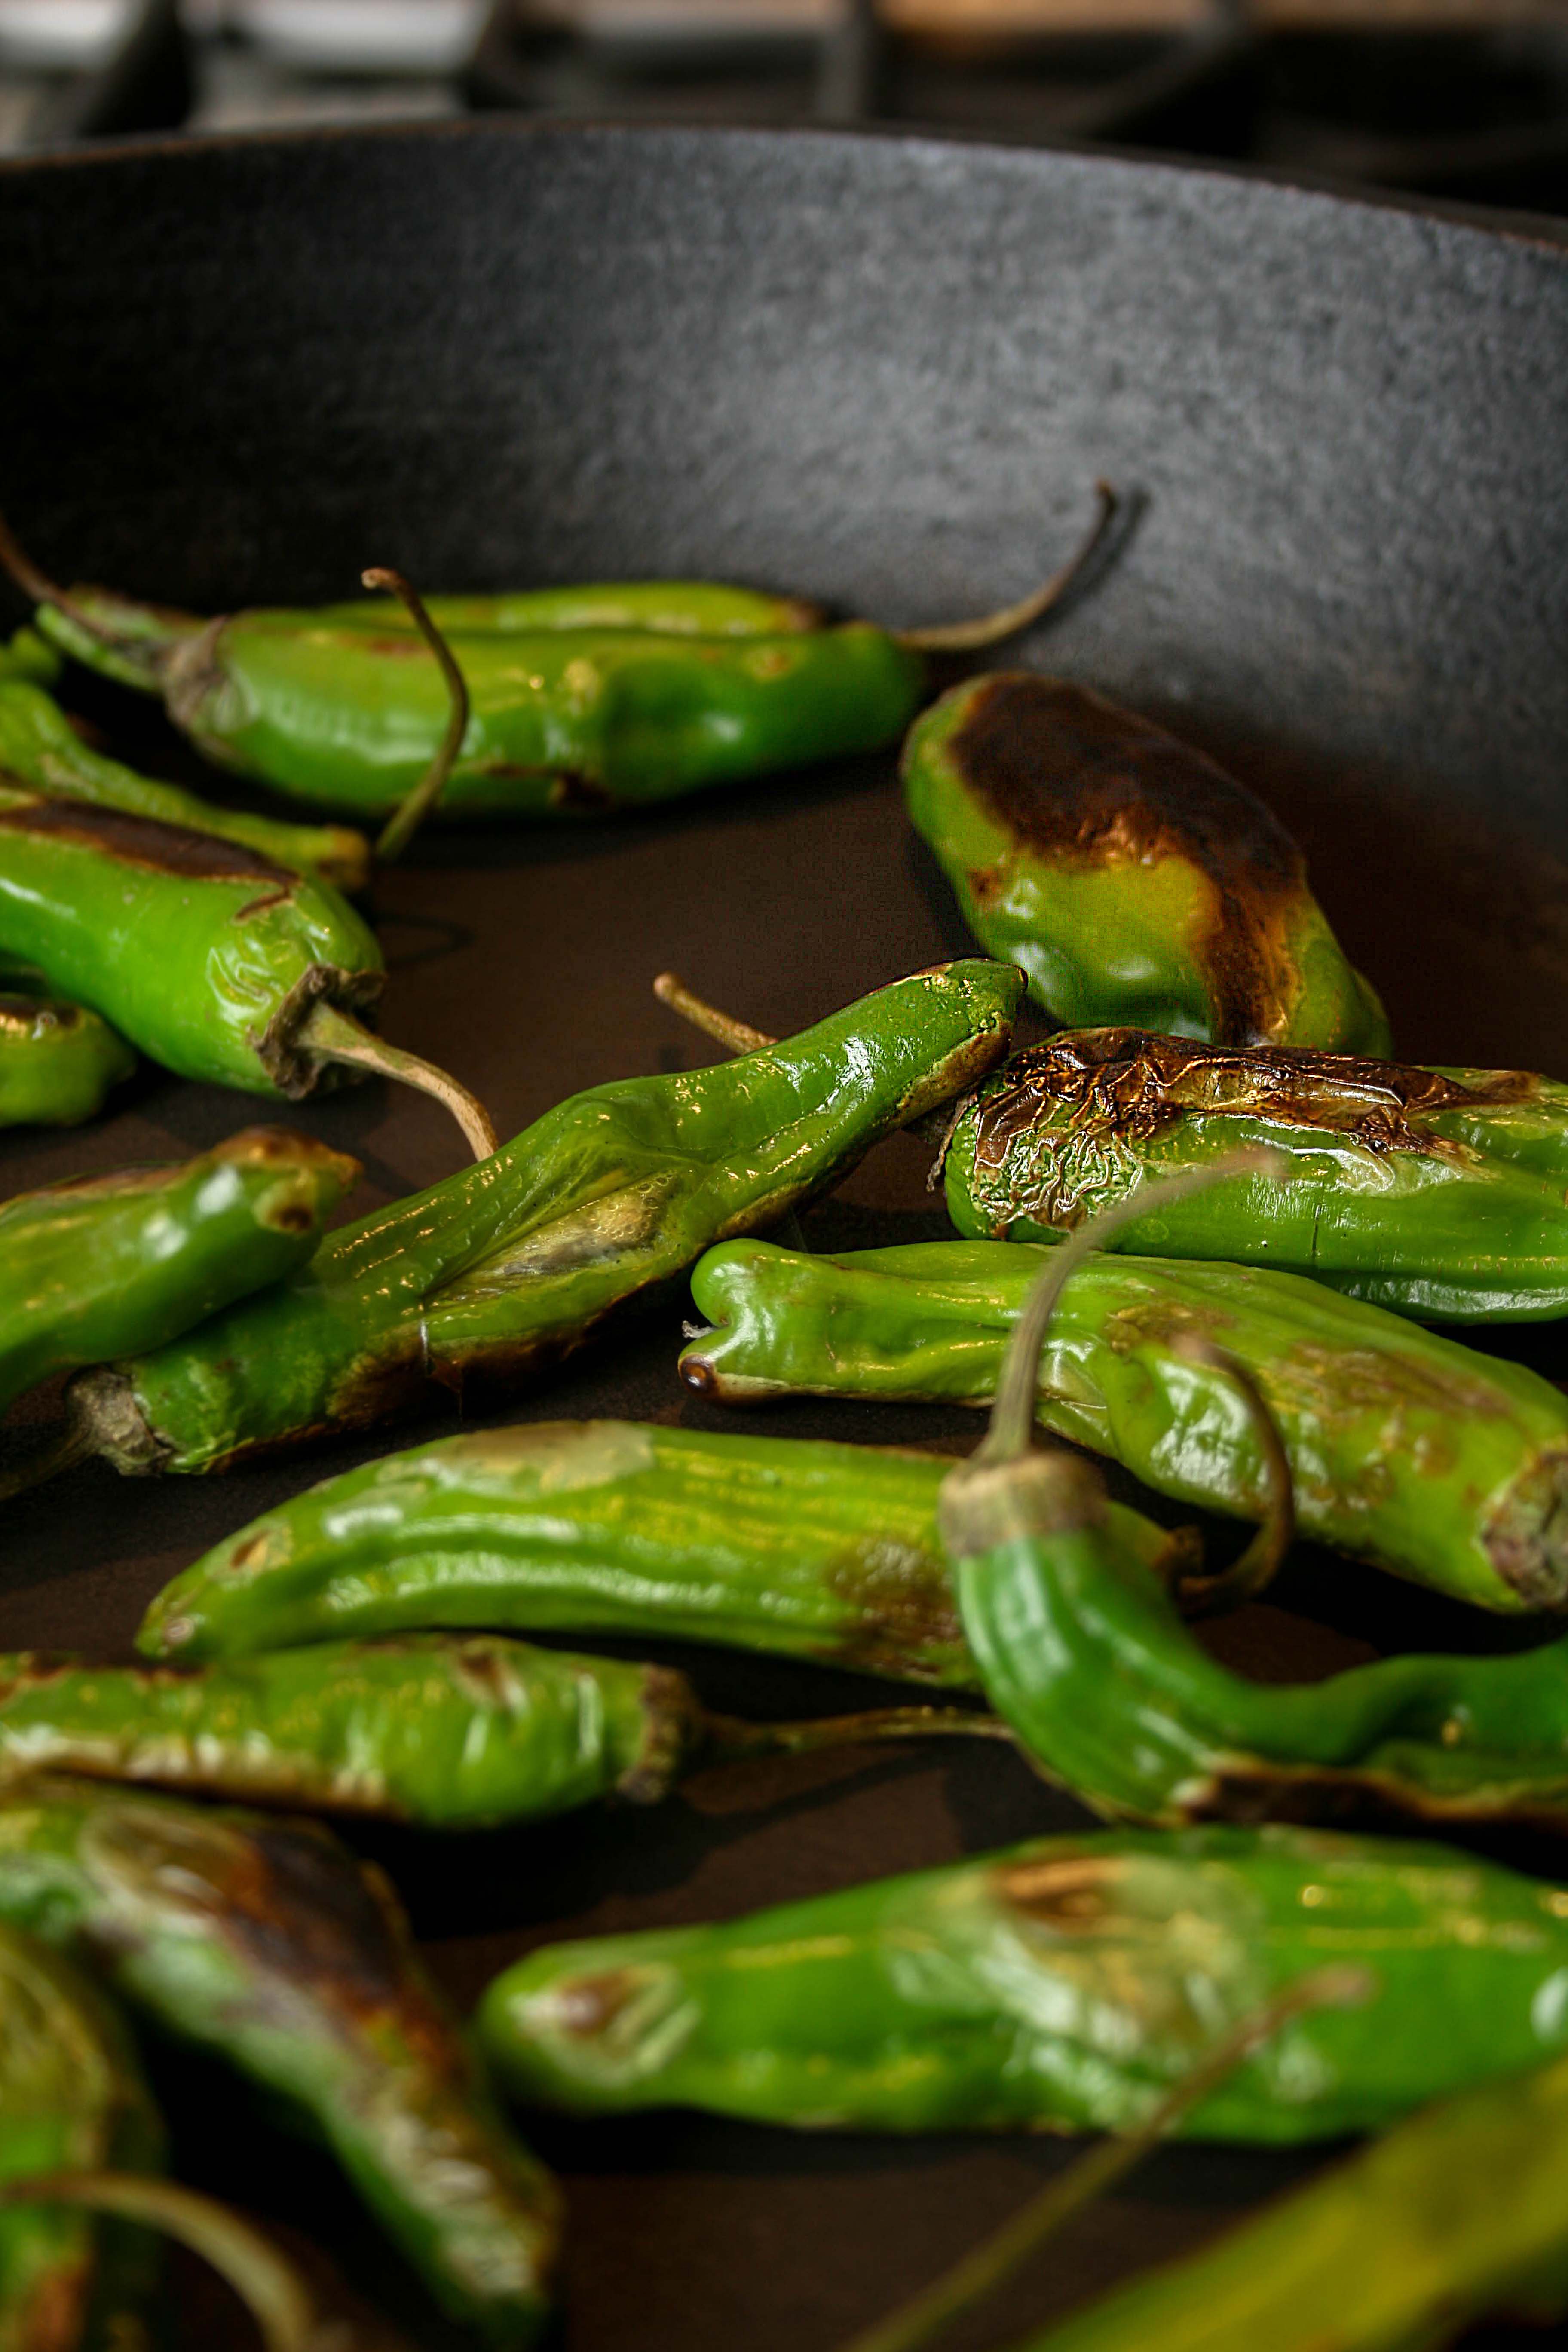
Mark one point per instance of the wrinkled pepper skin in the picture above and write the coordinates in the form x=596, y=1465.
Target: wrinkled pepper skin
x=1063, y=1985
x=41, y=749
x=511, y=1264
x=128, y=1261
x=564, y=720
x=207, y=955
x=784, y=1546
x=1444, y=1466
x=1131, y=877
x=679, y=608
x=1439, y=1193
x=267, y=1944
x=72, y=2099
x=58, y=1062
x=428, y=1728
x=1459, y=2213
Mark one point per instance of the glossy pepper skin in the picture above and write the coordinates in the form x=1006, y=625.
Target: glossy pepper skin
x=72, y=2099
x=1441, y=1465
x=1062, y=1984
x=207, y=955
x=513, y=1263
x=785, y=1546
x=1131, y=877
x=58, y=1062
x=677, y=608
x=1457, y=2213
x=40, y=749
x=267, y=1944
x=91, y=1268
x=1440, y=1193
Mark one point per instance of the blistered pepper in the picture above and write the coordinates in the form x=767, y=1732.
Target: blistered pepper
x=40, y=749
x=57, y=1061
x=1131, y=877
x=581, y=698
x=514, y=1263
x=428, y=1728
x=1438, y=1192
x=1409, y=1449
x=72, y=2099
x=1062, y=1984
x=214, y=959
x=130, y=1260
x=267, y=1944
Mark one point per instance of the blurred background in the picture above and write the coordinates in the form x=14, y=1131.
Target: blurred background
x=1461, y=99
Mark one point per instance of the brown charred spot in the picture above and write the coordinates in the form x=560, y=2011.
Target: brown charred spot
x=144, y=841
x=293, y=1217
x=247, y=1554
x=1125, y=1083
x=483, y=1670
x=586, y=2005
x=1068, y=1893
x=904, y=1619
x=28, y=1017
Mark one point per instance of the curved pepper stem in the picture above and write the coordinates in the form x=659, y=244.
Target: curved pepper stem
x=992, y=628
x=404, y=821
x=337, y=1037
x=1254, y=1571
x=981, y=2272
x=141, y=656
x=727, y=1738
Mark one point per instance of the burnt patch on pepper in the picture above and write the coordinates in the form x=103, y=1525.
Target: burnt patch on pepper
x=144, y=841
x=905, y=1619
x=1069, y=1894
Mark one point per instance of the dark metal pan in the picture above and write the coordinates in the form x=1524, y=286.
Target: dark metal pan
x=883, y=372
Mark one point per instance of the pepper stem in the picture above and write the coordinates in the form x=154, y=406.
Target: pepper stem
x=726, y=1738
x=991, y=628
x=268, y=2284
x=337, y=1037
x=405, y=819
x=979, y=2274
x=1011, y=1429
x=42, y=589
x=738, y=1036
x=1245, y=1578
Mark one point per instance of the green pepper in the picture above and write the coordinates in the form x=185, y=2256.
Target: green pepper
x=39, y=748
x=513, y=1263
x=1131, y=877
x=72, y=2099
x=795, y=1548
x=1441, y=1194
x=1459, y=2213
x=215, y=961
x=1444, y=1466
x=444, y=1733
x=264, y=1942
x=1061, y=1985
x=91, y=1269
x=57, y=1061
x=581, y=698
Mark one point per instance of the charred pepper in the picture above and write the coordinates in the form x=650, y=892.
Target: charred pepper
x=265, y=1943
x=1062, y=1984
x=1441, y=1194
x=1131, y=877
x=581, y=698
x=513, y=1264
x=446, y=1733
x=57, y=1061
x=1442, y=1465
x=91, y=1268
x=72, y=2100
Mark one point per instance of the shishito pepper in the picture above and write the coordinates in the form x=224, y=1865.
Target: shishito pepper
x=1131, y=877
x=57, y=1061
x=264, y=1942
x=91, y=1269
x=39, y=748
x=445, y=1733
x=581, y=698
x=1441, y=1194
x=1062, y=1984
x=513, y=1263
x=214, y=959
x=72, y=2099
x=1458, y=2214
x=1442, y=1465
x=779, y=1545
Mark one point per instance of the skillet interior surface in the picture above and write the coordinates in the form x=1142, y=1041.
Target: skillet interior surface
x=884, y=374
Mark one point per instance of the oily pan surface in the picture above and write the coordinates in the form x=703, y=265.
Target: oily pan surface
x=878, y=371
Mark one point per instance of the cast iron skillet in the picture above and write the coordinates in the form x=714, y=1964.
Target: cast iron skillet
x=884, y=371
